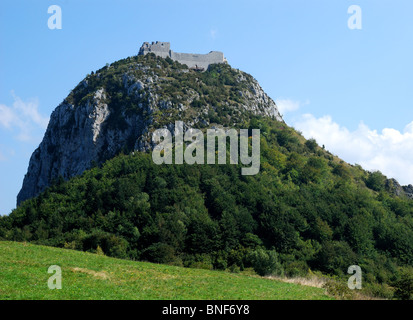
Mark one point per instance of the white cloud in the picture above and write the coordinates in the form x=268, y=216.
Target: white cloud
x=213, y=33
x=23, y=117
x=287, y=105
x=389, y=151
x=7, y=116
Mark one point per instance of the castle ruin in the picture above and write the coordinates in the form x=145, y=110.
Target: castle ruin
x=193, y=61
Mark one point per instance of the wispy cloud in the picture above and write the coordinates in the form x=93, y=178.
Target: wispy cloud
x=288, y=105
x=23, y=117
x=213, y=33
x=389, y=151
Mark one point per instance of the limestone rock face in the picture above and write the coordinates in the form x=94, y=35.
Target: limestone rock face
x=74, y=142
x=117, y=108
x=393, y=186
x=409, y=191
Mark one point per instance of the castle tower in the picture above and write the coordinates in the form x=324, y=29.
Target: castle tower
x=161, y=49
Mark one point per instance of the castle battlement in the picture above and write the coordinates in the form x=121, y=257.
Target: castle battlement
x=197, y=61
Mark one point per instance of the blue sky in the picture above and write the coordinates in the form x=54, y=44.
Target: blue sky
x=352, y=90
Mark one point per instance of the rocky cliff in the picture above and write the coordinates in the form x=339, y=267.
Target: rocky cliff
x=116, y=109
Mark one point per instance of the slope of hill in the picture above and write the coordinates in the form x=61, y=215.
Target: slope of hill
x=117, y=108
x=305, y=210
x=23, y=275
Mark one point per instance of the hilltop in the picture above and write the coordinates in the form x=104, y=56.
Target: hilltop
x=117, y=108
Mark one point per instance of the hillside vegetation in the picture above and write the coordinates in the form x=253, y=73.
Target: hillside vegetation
x=305, y=210
x=23, y=275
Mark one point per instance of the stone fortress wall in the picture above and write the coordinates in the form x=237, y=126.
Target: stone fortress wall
x=163, y=49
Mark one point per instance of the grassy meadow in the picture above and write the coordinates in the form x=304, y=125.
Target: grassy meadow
x=24, y=275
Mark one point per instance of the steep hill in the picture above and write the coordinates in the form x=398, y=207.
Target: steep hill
x=117, y=107
x=305, y=210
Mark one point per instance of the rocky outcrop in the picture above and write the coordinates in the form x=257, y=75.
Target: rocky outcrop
x=408, y=190
x=394, y=187
x=116, y=109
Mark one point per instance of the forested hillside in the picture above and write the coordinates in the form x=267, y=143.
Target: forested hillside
x=305, y=210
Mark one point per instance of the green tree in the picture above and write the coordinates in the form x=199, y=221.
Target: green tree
x=376, y=181
x=265, y=262
x=311, y=144
x=404, y=286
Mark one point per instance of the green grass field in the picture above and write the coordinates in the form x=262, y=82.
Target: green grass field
x=23, y=275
